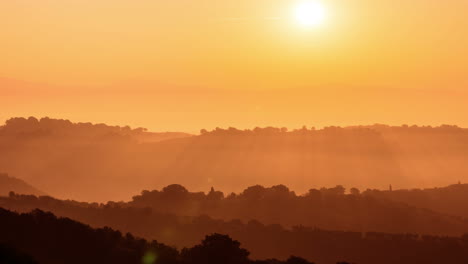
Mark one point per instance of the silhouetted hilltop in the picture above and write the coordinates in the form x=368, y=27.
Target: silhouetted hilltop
x=450, y=200
x=325, y=208
x=59, y=240
x=264, y=241
x=328, y=208
x=9, y=184
x=101, y=163
x=51, y=240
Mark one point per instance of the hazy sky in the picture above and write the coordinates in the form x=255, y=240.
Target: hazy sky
x=186, y=64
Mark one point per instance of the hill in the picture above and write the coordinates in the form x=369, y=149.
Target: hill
x=101, y=163
x=326, y=209
x=449, y=200
x=9, y=184
x=48, y=239
x=75, y=160
x=47, y=235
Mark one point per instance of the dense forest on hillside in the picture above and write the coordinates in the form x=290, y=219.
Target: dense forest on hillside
x=326, y=208
x=46, y=234
x=41, y=237
x=263, y=240
x=79, y=160
x=323, y=224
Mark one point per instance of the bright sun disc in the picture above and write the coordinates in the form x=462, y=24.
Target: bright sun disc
x=310, y=13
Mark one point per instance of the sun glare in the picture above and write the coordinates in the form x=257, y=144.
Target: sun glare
x=310, y=13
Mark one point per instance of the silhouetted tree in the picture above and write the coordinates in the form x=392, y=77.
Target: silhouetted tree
x=355, y=191
x=297, y=260
x=216, y=249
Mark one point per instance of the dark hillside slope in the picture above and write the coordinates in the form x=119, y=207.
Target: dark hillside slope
x=51, y=240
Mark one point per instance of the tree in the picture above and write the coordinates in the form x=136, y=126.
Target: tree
x=254, y=192
x=355, y=191
x=297, y=260
x=216, y=249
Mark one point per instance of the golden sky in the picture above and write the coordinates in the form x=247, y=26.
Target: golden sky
x=186, y=64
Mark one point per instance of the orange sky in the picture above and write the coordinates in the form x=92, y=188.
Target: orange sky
x=186, y=65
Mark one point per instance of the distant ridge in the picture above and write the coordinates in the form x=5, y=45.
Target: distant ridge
x=449, y=200
x=97, y=162
x=29, y=128
x=9, y=184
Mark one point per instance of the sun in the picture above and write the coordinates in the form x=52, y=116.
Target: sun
x=310, y=13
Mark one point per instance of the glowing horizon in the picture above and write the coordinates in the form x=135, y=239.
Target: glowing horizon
x=202, y=64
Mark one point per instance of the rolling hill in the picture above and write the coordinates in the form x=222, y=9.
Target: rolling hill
x=100, y=163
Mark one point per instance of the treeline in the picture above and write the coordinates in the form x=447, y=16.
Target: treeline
x=450, y=200
x=62, y=127
x=264, y=241
x=328, y=208
x=41, y=237
x=33, y=128
x=369, y=130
